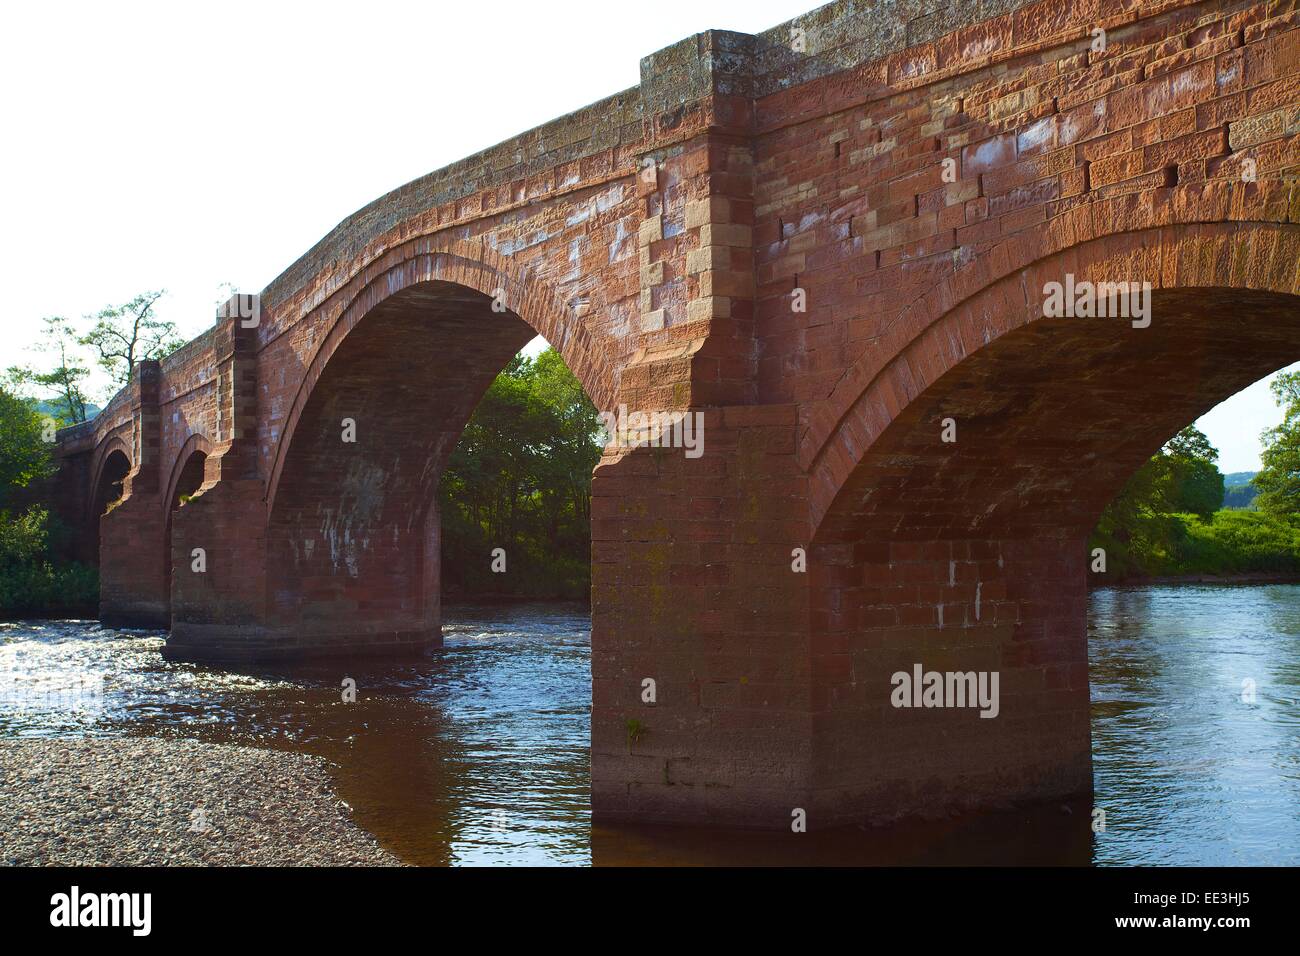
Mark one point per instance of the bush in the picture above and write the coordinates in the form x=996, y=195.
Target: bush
x=1230, y=542
x=30, y=584
x=1238, y=542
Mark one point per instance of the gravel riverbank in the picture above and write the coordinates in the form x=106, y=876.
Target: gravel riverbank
x=148, y=802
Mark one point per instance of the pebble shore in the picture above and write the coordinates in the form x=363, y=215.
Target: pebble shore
x=149, y=802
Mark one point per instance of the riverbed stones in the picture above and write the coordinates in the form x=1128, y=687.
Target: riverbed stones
x=151, y=802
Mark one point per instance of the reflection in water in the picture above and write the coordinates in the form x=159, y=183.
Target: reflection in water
x=477, y=753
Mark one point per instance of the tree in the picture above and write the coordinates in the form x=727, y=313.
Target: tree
x=1140, y=528
x=1193, y=482
x=30, y=582
x=59, y=340
x=573, y=449
x=24, y=452
x=520, y=478
x=126, y=334
x=1279, y=479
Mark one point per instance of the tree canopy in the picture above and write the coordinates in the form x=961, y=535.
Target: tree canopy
x=24, y=452
x=1182, y=478
x=520, y=480
x=61, y=383
x=118, y=338
x=31, y=582
x=1279, y=479
x=125, y=334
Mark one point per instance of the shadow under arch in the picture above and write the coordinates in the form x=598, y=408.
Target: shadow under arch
x=968, y=311
x=186, y=478
x=112, y=465
x=475, y=269
x=970, y=555
x=352, y=537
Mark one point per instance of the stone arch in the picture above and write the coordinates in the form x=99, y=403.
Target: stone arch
x=352, y=522
x=105, y=464
x=970, y=556
x=195, y=444
x=466, y=264
x=187, y=476
x=958, y=318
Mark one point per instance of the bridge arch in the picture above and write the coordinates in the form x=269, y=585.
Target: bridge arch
x=970, y=555
x=111, y=464
x=352, y=536
x=467, y=264
x=974, y=308
x=181, y=480
x=186, y=478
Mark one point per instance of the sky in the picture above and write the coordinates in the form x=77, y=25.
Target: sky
x=186, y=147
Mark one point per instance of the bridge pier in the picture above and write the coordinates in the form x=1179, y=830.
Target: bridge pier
x=242, y=607
x=1004, y=616
x=218, y=546
x=132, y=550
x=218, y=584
x=701, y=692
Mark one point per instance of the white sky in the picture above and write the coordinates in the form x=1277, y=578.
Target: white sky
x=171, y=145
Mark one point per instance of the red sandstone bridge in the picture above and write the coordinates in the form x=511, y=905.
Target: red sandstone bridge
x=829, y=239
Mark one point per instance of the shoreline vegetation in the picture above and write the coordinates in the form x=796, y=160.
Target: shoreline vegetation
x=515, y=499
x=1230, y=546
x=1169, y=522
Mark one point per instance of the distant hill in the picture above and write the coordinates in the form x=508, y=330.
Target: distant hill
x=1238, y=492
x=54, y=409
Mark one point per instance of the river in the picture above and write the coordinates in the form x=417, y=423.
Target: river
x=477, y=753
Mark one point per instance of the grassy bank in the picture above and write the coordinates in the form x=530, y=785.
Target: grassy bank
x=1231, y=543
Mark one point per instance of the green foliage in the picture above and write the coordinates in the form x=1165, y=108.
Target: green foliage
x=23, y=538
x=61, y=384
x=1240, y=542
x=520, y=479
x=1279, y=479
x=1167, y=520
x=24, y=452
x=1231, y=542
x=119, y=337
x=30, y=584
x=1139, y=527
x=635, y=730
x=125, y=334
x=1191, y=481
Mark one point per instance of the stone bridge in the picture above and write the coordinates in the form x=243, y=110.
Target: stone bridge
x=833, y=241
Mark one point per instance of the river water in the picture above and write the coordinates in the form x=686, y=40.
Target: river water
x=477, y=753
